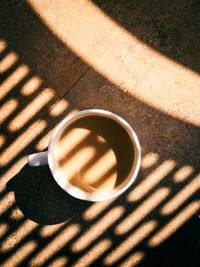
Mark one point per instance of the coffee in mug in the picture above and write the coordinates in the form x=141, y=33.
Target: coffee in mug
x=95, y=154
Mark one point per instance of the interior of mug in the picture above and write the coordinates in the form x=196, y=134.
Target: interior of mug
x=94, y=155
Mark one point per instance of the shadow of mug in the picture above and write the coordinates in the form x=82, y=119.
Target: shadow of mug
x=40, y=198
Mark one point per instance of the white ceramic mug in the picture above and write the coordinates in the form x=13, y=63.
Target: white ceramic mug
x=50, y=157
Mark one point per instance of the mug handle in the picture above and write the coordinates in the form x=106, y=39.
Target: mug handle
x=38, y=159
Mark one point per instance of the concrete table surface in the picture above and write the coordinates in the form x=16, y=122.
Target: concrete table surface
x=138, y=59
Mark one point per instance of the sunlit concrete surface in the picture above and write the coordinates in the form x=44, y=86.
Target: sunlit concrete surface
x=90, y=33
x=138, y=59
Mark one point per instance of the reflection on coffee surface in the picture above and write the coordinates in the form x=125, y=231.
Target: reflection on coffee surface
x=95, y=154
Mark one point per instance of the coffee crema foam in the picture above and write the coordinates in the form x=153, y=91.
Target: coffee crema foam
x=95, y=154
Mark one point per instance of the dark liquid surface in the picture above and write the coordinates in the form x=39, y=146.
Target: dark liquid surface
x=95, y=154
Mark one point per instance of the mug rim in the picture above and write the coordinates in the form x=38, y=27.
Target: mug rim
x=60, y=178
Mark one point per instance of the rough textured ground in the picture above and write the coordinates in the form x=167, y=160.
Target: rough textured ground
x=139, y=59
